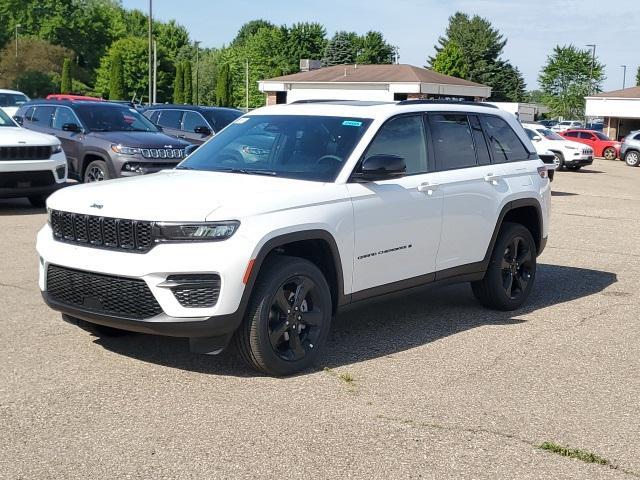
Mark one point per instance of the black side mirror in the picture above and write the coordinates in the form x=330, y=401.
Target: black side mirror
x=190, y=149
x=381, y=167
x=71, y=127
x=19, y=120
x=202, y=130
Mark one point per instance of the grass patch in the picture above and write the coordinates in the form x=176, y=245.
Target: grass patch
x=582, y=455
x=347, y=377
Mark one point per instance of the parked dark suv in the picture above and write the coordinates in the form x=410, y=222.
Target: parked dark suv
x=191, y=123
x=103, y=140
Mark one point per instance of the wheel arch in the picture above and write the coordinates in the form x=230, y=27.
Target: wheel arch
x=92, y=155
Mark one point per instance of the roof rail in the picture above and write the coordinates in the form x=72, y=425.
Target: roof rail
x=326, y=100
x=444, y=102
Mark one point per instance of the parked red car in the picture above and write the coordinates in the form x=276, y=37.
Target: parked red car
x=71, y=97
x=602, y=145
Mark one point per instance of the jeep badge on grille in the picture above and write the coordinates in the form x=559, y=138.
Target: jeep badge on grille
x=96, y=205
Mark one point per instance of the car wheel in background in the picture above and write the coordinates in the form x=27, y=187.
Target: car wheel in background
x=609, y=153
x=559, y=159
x=511, y=272
x=38, y=201
x=288, y=318
x=632, y=158
x=96, y=172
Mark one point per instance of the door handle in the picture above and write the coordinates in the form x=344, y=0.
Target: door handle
x=491, y=178
x=427, y=188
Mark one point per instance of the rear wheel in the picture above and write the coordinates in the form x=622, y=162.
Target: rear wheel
x=632, y=158
x=609, y=153
x=511, y=271
x=288, y=317
x=96, y=171
x=38, y=201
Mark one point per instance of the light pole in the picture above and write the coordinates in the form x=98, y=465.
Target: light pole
x=624, y=75
x=197, y=44
x=17, y=27
x=150, y=50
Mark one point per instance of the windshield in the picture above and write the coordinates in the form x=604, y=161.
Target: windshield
x=550, y=135
x=601, y=136
x=221, y=118
x=12, y=99
x=293, y=146
x=110, y=118
x=5, y=120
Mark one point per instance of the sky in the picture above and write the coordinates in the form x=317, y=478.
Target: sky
x=531, y=28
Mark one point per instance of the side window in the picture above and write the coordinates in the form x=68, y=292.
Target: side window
x=151, y=115
x=571, y=134
x=482, y=149
x=170, y=118
x=28, y=115
x=42, y=115
x=452, y=141
x=530, y=133
x=586, y=136
x=504, y=142
x=403, y=136
x=63, y=115
x=191, y=120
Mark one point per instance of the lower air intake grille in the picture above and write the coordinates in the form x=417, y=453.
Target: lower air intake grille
x=196, y=291
x=102, y=294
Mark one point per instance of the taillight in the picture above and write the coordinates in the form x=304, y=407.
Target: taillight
x=543, y=172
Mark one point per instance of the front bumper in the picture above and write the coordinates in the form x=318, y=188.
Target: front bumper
x=579, y=161
x=24, y=177
x=134, y=165
x=154, y=267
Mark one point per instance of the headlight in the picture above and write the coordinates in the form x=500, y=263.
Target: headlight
x=56, y=149
x=201, y=231
x=569, y=147
x=125, y=150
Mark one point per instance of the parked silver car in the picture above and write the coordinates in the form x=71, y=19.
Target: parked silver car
x=630, y=149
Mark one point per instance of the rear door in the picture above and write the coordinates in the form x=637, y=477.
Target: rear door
x=191, y=120
x=397, y=222
x=171, y=122
x=39, y=119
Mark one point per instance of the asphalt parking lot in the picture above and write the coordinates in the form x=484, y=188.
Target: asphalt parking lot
x=425, y=386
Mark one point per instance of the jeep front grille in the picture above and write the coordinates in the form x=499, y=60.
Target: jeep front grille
x=162, y=153
x=102, y=232
x=101, y=294
x=25, y=153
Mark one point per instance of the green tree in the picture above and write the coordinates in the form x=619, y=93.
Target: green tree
x=567, y=78
x=187, y=82
x=249, y=29
x=224, y=86
x=451, y=61
x=66, y=85
x=178, y=85
x=340, y=50
x=304, y=40
x=373, y=48
x=116, y=81
x=507, y=82
x=638, y=77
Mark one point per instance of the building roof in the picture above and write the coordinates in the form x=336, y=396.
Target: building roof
x=631, y=92
x=392, y=73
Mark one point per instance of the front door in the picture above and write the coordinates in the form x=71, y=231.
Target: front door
x=397, y=222
x=71, y=141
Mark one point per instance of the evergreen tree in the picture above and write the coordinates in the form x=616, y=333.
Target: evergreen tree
x=450, y=61
x=187, y=83
x=223, y=86
x=178, y=85
x=340, y=50
x=373, y=49
x=66, y=85
x=116, y=82
x=638, y=77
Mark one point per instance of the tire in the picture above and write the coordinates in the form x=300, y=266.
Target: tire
x=280, y=335
x=609, y=153
x=559, y=159
x=94, y=328
x=508, y=280
x=96, y=171
x=632, y=158
x=38, y=201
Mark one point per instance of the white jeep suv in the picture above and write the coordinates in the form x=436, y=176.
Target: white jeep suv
x=31, y=164
x=344, y=201
x=569, y=154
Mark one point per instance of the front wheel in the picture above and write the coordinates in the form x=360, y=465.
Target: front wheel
x=288, y=317
x=609, y=153
x=96, y=171
x=632, y=158
x=559, y=159
x=511, y=272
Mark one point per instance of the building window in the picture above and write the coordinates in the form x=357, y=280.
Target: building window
x=281, y=97
x=399, y=97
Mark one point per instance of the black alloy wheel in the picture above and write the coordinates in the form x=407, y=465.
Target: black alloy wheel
x=96, y=172
x=517, y=265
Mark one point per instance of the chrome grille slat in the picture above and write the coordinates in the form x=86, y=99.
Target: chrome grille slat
x=162, y=153
x=102, y=232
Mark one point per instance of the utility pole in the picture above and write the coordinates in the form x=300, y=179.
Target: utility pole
x=624, y=75
x=155, y=71
x=17, y=27
x=197, y=44
x=246, y=83
x=150, y=49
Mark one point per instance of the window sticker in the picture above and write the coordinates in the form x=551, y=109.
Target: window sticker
x=241, y=120
x=351, y=123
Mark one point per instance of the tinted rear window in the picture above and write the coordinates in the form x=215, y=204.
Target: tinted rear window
x=452, y=141
x=503, y=141
x=221, y=118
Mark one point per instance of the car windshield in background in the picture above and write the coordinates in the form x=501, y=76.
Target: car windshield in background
x=12, y=99
x=293, y=146
x=5, y=120
x=601, y=136
x=221, y=118
x=550, y=135
x=109, y=118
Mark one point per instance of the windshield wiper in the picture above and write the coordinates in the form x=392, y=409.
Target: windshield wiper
x=247, y=172
x=184, y=167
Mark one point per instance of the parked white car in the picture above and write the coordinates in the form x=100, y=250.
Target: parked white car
x=351, y=200
x=32, y=164
x=567, y=125
x=571, y=155
x=10, y=101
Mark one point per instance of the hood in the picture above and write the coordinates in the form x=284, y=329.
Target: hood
x=182, y=195
x=11, y=111
x=16, y=136
x=141, y=139
x=577, y=145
